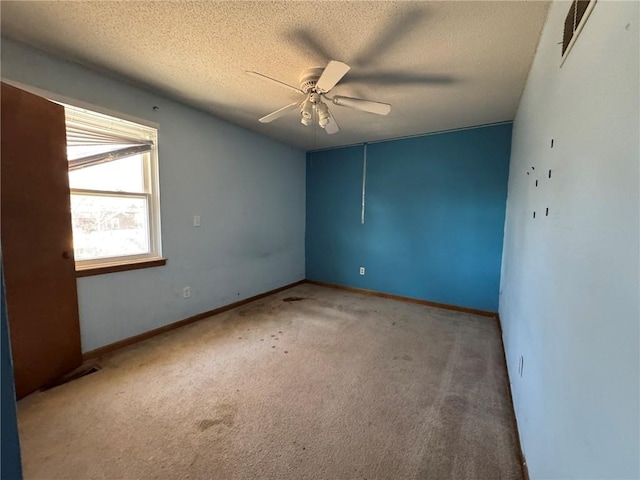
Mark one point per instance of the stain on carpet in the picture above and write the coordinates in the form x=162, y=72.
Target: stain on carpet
x=225, y=415
x=293, y=299
x=408, y=358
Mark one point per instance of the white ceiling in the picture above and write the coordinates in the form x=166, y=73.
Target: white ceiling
x=455, y=64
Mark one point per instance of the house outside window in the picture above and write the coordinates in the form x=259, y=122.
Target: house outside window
x=113, y=178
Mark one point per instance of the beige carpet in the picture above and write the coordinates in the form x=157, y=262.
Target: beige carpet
x=335, y=386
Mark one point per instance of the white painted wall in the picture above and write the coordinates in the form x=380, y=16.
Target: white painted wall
x=248, y=190
x=570, y=281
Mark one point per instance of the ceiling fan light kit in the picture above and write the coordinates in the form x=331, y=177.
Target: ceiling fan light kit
x=315, y=83
x=323, y=114
x=307, y=109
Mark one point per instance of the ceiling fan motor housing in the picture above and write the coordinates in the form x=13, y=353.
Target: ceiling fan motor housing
x=309, y=79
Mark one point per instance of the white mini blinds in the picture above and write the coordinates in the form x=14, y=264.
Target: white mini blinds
x=94, y=138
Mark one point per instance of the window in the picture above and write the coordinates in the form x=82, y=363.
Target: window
x=113, y=177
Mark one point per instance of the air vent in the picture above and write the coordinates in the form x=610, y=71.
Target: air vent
x=574, y=22
x=81, y=371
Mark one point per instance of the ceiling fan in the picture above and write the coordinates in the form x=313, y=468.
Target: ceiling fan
x=315, y=84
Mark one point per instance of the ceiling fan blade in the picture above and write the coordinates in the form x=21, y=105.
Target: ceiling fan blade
x=398, y=78
x=331, y=75
x=279, y=113
x=363, y=105
x=273, y=80
x=332, y=126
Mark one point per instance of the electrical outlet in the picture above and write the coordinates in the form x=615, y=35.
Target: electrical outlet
x=361, y=270
x=196, y=220
x=186, y=292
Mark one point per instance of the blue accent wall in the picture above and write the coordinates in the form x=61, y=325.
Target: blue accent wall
x=434, y=216
x=10, y=468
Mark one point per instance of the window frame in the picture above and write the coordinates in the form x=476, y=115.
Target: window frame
x=151, y=194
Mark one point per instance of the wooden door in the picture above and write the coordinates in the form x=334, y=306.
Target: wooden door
x=37, y=242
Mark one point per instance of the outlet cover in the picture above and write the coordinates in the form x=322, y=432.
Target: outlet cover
x=361, y=270
x=186, y=292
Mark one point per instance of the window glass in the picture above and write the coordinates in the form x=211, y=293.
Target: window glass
x=124, y=175
x=109, y=226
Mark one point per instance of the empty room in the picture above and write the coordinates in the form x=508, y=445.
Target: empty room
x=320, y=240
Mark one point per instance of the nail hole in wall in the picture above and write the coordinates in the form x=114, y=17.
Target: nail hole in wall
x=547, y=212
x=549, y=173
x=534, y=214
x=552, y=143
x=536, y=183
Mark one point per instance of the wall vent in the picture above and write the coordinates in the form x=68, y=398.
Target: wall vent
x=574, y=22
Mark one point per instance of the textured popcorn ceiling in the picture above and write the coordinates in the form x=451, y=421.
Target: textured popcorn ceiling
x=461, y=63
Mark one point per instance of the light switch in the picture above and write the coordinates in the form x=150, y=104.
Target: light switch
x=196, y=220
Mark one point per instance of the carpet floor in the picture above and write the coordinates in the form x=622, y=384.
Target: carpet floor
x=331, y=385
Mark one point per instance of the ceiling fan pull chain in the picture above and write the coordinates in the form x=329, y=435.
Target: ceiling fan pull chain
x=364, y=183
